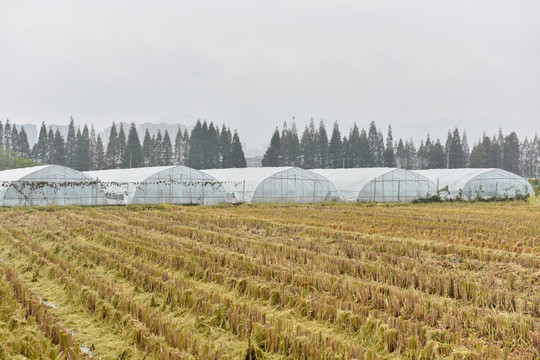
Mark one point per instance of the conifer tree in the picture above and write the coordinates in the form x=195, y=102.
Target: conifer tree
x=59, y=153
x=466, y=150
x=295, y=153
x=40, y=150
x=225, y=147
x=83, y=161
x=71, y=144
x=346, y=153
x=92, y=146
x=157, y=144
x=147, y=148
x=178, y=156
x=308, y=146
x=195, y=147
x=323, y=156
x=273, y=153
x=511, y=153
x=238, y=159
x=389, y=155
x=99, y=155
x=133, y=156
x=373, y=148
x=456, y=151
x=364, y=156
x=437, y=158
x=400, y=154
x=185, y=148
x=335, y=149
x=167, y=150
x=50, y=146
x=112, y=149
x=355, y=152
x=24, y=147
x=212, y=141
x=15, y=139
x=121, y=146
x=7, y=136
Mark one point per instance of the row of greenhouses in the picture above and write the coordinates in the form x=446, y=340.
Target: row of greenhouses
x=58, y=185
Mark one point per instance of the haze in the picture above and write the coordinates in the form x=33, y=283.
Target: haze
x=417, y=65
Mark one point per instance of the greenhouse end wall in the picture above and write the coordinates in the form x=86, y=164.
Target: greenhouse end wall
x=49, y=185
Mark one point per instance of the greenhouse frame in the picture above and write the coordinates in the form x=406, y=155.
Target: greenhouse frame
x=274, y=185
x=48, y=185
x=470, y=184
x=378, y=184
x=161, y=184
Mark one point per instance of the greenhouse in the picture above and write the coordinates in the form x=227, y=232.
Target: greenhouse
x=378, y=184
x=156, y=185
x=469, y=184
x=274, y=185
x=48, y=185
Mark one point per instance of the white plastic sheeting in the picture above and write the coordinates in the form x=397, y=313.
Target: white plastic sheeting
x=477, y=183
x=48, y=185
x=161, y=184
x=274, y=185
x=378, y=184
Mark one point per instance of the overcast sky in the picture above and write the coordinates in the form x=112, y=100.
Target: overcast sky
x=417, y=65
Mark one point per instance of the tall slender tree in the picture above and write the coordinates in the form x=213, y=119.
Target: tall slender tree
x=272, y=157
x=24, y=146
x=71, y=144
x=112, y=149
x=59, y=154
x=238, y=159
x=389, y=155
x=323, y=153
x=133, y=155
x=335, y=149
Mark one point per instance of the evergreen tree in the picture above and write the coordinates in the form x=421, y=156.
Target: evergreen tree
x=272, y=156
x=40, y=150
x=212, y=160
x=167, y=149
x=285, y=146
x=372, y=159
x=456, y=151
x=121, y=146
x=147, y=148
x=185, y=148
x=355, y=152
x=238, y=159
x=323, y=153
x=335, y=149
x=24, y=147
x=83, y=162
x=158, y=155
x=295, y=153
x=196, y=147
x=389, y=155
x=346, y=153
x=422, y=156
x=309, y=147
x=99, y=155
x=401, y=157
x=59, y=152
x=71, y=144
x=7, y=136
x=437, y=157
x=50, y=146
x=466, y=150
x=133, y=155
x=14, y=139
x=511, y=153
x=411, y=160
x=364, y=156
x=92, y=147
x=225, y=147
x=112, y=149
x=495, y=154
x=178, y=156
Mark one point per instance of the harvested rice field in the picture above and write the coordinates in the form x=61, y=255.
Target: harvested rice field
x=327, y=281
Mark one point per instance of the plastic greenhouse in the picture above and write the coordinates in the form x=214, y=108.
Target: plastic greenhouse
x=470, y=184
x=378, y=184
x=162, y=184
x=274, y=185
x=48, y=185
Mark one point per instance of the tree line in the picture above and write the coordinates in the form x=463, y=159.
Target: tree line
x=206, y=147
x=361, y=148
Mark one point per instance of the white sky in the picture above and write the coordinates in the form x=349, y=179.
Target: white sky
x=417, y=65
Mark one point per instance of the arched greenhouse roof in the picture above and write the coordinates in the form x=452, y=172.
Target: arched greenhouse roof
x=274, y=184
x=48, y=185
x=160, y=184
x=378, y=184
x=471, y=183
